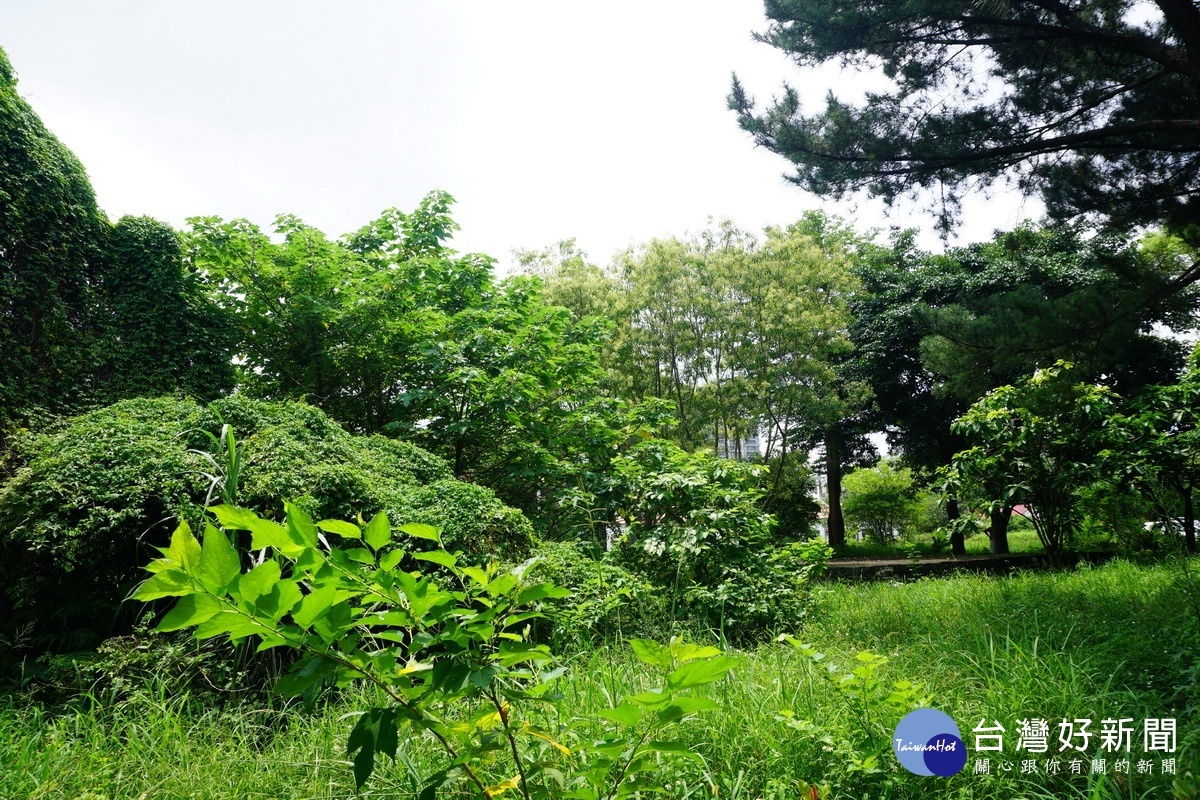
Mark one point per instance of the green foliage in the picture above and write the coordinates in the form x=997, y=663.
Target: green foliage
x=449, y=660
x=856, y=746
x=161, y=330
x=469, y=517
x=607, y=603
x=391, y=331
x=50, y=235
x=1040, y=443
x=789, y=489
x=882, y=501
x=87, y=502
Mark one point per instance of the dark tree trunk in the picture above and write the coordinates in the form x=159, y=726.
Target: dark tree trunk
x=958, y=544
x=998, y=532
x=833, y=479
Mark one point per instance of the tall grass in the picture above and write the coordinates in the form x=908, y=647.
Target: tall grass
x=1112, y=641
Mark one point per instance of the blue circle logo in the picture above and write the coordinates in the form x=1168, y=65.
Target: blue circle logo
x=927, y=742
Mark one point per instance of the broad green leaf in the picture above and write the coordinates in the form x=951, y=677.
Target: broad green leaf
x=300, y=528
x=258, y=581
x=314, y=604
x=698, y=673
x=678, y=748
x=540, y=591
x=374, y=733
x=282, y=598
x=649, y=699
x=347, y=530
x=234, y=517
x=680, y=707
x=168, y=583
x=390, y=559
x=476, y=574
x=626, y=714
x=690, y=652
x=420, y=531
x=437, y=557
x=219, y=562
x=378, y=532
x=651, y=652
x=184, y=551
x=189, y=611
x=264, y=533
x=228, y=621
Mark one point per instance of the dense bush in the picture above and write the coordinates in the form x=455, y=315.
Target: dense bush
x=607, y=601
x=86, y=503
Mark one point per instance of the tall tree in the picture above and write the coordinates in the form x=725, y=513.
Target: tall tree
x=1092, y=103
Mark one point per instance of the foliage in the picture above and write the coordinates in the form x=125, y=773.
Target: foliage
x=87, y=502
x=1089, y=103
x=90, y=312
x=607, y=603
x=1039, y=442
x=789, y=490
x=882, y=501
x=1160, y=451
x=50, y=236
x=451, y=661
x=856, y=750
x=160, y=329
x=389, y=330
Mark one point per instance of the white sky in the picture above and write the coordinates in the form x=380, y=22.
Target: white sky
x=545, y=120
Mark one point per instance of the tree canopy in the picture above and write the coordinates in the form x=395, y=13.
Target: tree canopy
x=1091, y=103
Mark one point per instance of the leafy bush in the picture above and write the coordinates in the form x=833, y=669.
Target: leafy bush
x=881, y=500
x=470, y=517
x=607, y=601
x=88, y=501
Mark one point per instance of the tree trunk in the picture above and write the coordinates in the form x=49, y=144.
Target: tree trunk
x=833, y=487
x=958, y=544
x=998, y=532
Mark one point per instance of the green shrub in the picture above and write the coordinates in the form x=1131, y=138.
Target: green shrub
x=87, y=501
x=471, y=519
x=607, y=601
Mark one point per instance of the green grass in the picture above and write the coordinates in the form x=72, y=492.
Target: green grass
x=1111, y=641
x=1022, y=538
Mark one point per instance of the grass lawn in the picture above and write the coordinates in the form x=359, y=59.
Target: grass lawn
x=1116, y=641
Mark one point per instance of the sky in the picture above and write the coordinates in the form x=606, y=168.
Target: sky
x=603, y=122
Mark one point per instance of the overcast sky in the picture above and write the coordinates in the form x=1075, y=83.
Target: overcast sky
x=545, y=120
